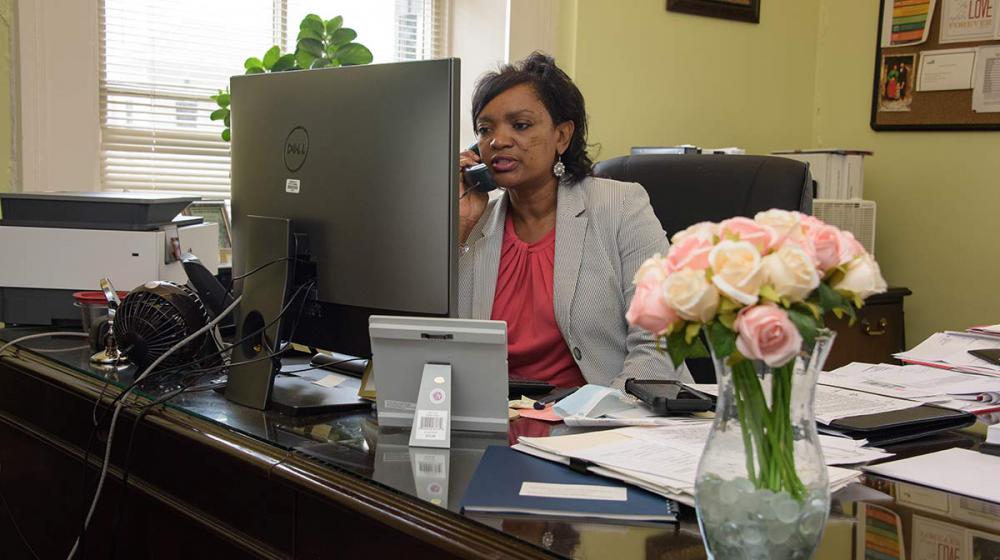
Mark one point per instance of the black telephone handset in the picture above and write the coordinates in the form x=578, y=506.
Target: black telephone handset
x=478, y=177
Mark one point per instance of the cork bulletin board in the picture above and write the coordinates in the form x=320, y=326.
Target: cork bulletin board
x=912, y=30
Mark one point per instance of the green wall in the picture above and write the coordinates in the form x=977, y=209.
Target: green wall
x=800, y=78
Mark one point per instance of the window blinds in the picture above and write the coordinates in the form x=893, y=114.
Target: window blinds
x=162, y=59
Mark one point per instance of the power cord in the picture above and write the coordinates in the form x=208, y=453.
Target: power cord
x=41, y=335
x=118, y=408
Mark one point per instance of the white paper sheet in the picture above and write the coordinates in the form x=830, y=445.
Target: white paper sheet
x=986, y=80
x=910, y=381
x=951, y=349
x=946, y=70
x=967, y=20
x=961, y=471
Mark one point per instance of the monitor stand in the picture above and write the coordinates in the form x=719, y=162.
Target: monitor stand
x=253, y=381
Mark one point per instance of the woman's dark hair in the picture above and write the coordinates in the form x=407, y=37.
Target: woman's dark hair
x=556, y=91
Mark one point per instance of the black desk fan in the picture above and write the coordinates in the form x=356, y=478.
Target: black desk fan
x=158, y=315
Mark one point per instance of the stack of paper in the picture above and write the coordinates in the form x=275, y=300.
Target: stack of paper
x=665, y=459
x=953, y=389
x=834, y=403
x=950, y=350
x=985, y=330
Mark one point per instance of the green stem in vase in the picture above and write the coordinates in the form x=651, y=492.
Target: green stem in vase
x=767, y=431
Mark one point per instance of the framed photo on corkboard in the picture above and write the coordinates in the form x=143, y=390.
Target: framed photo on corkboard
x=742, y=10
x=937, y=65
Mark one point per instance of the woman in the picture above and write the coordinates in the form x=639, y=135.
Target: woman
x=554, y=256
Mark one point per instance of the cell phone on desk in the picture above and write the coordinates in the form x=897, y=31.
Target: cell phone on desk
x=478, y=177
x=669, y=397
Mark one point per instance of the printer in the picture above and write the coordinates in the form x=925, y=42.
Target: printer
x=55, y=243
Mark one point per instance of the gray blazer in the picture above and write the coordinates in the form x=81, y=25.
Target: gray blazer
x=605, y=229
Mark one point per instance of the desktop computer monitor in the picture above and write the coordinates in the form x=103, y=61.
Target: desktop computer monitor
x=362, y=162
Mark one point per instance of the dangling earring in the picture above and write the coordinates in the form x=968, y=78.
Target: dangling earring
x=559, y=169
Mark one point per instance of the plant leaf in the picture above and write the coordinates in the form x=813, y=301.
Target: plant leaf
x=286, y=62
x=314, y=23
x=320, y=63
x=257, y=70
x=727, y=305
x=309, y=34
x=222, y=99
x=353, y=54
x=343, y=36
x=270, y=57
x=728, y=319
x=333, y=24
x=805, y=323
x=722, y=338
x=219, y=114
x=829, y=298
x=253, y=62
x=768, y=292
x=312, y=46
x=226, y=119
x=226, y=135
x=691, y=331
x=814, y=309
x=304, y=59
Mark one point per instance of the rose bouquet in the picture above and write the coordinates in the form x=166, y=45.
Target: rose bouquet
x=758, y=290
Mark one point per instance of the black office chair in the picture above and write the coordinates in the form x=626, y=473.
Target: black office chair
x=687, y=189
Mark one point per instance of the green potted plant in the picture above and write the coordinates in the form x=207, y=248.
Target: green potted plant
x=320, y=44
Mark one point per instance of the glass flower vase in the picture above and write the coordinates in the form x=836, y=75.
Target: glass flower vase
x=762, y=489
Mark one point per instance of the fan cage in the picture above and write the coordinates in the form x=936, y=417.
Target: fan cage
x=155, y=317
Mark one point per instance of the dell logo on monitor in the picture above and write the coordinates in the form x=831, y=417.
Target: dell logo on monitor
x=296, y=148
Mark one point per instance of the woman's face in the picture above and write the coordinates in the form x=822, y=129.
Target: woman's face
x=518, y=140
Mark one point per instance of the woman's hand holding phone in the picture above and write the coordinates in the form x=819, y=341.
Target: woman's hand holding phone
x=471, y=204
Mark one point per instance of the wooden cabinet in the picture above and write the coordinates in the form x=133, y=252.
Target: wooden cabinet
x=876, y=335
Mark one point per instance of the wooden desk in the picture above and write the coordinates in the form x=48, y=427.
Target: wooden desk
x=211, y=479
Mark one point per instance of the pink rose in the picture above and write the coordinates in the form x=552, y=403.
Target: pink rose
x=744, y=229
x=766, y=333
x=648, y=309
x=826, y=241
x=689, y=253
x=850, y=248
x=703, y=230
x=810, y=223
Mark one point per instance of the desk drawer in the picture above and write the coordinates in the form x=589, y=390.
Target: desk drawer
x=873, y=338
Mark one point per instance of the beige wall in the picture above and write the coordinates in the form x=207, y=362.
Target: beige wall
x=6, y=31
x=653, y=77
x=938, y=193
x=800, y=78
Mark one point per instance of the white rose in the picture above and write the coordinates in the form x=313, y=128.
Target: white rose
x=787, y=224
x=652, y=270
x=863, y=277
x=736, y=270
x=690, y=293
x=701, y=230
x=791, y=271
